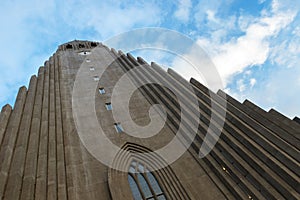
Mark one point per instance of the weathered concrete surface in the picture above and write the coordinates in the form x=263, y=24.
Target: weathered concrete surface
x=42, y=156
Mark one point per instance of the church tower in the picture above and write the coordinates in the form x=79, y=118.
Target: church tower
x=96, y=123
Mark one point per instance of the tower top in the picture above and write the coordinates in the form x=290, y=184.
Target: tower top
x=77, y=45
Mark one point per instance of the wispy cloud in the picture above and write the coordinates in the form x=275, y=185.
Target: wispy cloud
x=267, y=43
x=233, y=56
x=252, y=82
x=108, y=18
x=252, y=48
x=183, y=11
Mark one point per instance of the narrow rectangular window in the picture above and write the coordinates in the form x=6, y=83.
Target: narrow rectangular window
x=101, y=90
x=118, y=127
x=108, y=106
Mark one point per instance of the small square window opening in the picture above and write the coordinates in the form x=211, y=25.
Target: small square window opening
x=108, y=106
x=101, y=90
x=118, y=127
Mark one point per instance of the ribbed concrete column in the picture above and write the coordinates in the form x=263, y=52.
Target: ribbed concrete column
x=61, y=165
x=14, y=184
x=287, y=121
x=9, y=140
x=73, y=156
x=41, y=181
x=4, y=117
x=164, y=98
x=51, y=178
x=271, y=118
x=28, y=186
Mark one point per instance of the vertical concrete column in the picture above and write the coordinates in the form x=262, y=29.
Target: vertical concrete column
x=41, y=180
x=76, y=174
x=9, y=140
x=14, y=183
x=4, y=117
x=61, y=165
x=28, y=185
x=66, y=124
x=52, y=184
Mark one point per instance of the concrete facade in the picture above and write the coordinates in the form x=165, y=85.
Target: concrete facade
x=42, y=156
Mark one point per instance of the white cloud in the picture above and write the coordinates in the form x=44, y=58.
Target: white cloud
x=250, y=49
x=244, y=22
x=202, y=7
x=211, y=16
x=261, y=1
x=287, y=52
x=272, y=37
x=108, y=18
x=296, y=31
x=183, y=11
x=241, y=85
x=235, y=55
x=197, y=64
x=252, y=82
x=275, y=5
x=248, y=72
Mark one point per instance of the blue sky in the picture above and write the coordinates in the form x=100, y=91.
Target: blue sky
x=254, y=44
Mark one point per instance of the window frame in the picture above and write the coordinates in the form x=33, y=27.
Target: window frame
x=108, y=106
x=96, y=78
x=101, y=90
x=141, y=173
x=118, y=127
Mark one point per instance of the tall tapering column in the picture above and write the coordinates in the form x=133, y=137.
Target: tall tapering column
x=9, y=140
x=14, y=183
x=4, y=117
x=51, y=178
x=41, y=180
x=29, y=178
x=61, y=164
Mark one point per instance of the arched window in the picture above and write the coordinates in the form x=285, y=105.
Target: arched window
x=143, y=184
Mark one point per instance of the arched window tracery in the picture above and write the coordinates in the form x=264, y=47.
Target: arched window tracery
x=143, y=184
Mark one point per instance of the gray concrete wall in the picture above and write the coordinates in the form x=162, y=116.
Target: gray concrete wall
x=42, y=156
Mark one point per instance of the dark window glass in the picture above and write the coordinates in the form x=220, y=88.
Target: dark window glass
x=144, y=186
x=93, y=44
x=134, y=189
x=108, y=106
x=153, y=183
x=131, y=169
x=118, y=127
x=146, y=183
x=101, y=90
